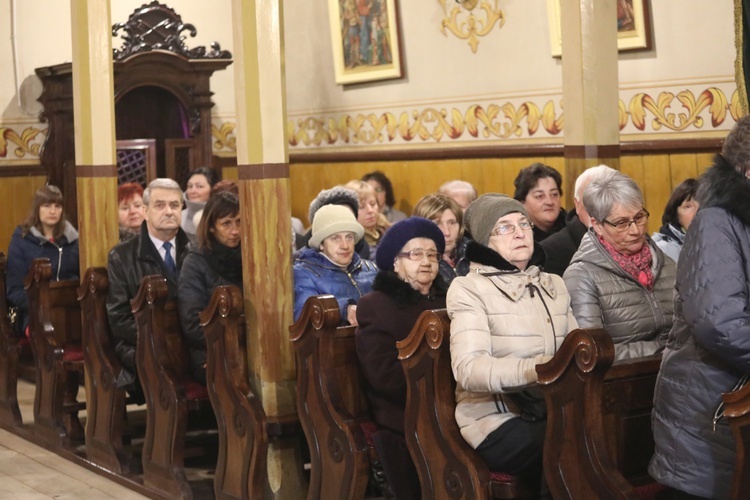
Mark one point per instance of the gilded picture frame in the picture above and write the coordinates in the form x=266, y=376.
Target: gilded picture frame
x=633, y=25
x=365, y=40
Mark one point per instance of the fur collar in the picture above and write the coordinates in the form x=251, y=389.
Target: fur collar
x=486, y=256
x=401, y=292
x=722, y=186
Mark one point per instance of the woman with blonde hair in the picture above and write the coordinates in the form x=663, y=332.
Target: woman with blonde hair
x=447, y=214
x=374, y=222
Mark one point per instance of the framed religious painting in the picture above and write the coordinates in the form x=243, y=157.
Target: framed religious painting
x=633, y=25
x=365, y=39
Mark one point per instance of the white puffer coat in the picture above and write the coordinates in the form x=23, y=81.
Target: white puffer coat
x=503, y=323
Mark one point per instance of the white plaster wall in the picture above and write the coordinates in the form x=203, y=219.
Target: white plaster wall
x=693, y=48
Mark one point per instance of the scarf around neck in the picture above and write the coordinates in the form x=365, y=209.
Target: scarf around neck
x=227, y=262
x=637, y=265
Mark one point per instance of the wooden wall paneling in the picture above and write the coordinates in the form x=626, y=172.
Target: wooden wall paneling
x=656, y=187
x=704, y=160
x=682, y=166
x=18, y=193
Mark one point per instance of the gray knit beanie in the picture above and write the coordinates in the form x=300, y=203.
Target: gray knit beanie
x=482, y=215
x=338, y=195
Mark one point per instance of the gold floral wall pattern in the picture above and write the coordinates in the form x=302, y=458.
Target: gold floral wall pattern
x=470, y=19
x=644, y=112
x=23, y=145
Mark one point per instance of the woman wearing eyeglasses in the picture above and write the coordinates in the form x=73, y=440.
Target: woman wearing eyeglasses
x=407, y=284
x=507, y=316
x=619, y=279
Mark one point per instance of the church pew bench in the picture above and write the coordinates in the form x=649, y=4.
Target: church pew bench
x=10, y=350
x=163, y=368
x=332, y=406
x=448, y=467
x=599, y=437
x=240, y=418
x=55, y=331
x=106, y=411
x=737, y=413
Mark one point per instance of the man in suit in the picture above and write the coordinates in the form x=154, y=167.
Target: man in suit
x=159, y=248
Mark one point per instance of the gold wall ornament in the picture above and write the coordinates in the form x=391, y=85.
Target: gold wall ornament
x=470, y=27
x=224, y=137
x=24, y=142
x=711, y=98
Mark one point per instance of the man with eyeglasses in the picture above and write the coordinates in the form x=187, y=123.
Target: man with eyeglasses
x=619, y=279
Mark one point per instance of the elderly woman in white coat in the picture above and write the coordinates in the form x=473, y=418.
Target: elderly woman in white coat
x=507, y=316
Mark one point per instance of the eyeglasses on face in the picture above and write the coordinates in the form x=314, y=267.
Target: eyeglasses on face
x=418, y=254
x=504, y=229
x=640, y=220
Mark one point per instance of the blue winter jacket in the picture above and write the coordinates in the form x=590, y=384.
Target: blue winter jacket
x=62, y=254
x=314, y=274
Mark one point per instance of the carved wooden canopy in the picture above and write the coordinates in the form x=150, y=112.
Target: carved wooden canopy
x=154, y=60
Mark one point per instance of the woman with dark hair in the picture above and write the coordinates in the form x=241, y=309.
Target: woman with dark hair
x=407, y=284
x=538, y=188
x=217, y=261
x=44, y=233
x=131, y=211
x=678, y=214
x=447, y=214
x=384, y=194
x=199, y=184
x=707, y=352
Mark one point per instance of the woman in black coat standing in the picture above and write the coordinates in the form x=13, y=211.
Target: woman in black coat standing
x=217, y=261
x=408, y=284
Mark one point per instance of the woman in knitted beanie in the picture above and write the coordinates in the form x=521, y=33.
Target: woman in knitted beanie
x=407, y=284
x=330, y=265
x=507, y=316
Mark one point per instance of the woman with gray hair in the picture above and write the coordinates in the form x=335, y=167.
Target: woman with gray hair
x=707, y=351
x=619, y=279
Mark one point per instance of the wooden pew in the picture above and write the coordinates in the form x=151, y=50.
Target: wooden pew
x=55, y=330
x=163, y=367
x=331, y=403
x=448, y=467
x=10, y=350
x=105, y=419
x=243, y=441
x=737, y=413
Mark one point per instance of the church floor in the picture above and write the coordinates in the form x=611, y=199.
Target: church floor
x=29, y=472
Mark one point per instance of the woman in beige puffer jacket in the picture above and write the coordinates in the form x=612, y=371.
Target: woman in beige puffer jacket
x=507, y=316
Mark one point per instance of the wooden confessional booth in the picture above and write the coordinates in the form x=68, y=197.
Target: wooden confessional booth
x=162, y=104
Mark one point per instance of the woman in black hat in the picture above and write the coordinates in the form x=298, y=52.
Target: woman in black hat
x=407, y=284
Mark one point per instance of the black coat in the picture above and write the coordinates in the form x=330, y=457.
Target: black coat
x=196, y=285
x=385, y=316
x=128, y=263
x=540, y=235
x=561, y=246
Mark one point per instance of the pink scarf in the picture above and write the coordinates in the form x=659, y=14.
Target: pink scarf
x=637, y=265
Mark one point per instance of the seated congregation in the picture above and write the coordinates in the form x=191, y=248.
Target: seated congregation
x=486, y=346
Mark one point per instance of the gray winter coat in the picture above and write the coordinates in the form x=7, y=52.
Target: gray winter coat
x=604, y=295
x=708, y=349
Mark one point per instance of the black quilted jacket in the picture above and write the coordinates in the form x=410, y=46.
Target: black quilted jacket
x=708, y=348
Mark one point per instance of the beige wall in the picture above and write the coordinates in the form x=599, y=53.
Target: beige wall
x=509, y=90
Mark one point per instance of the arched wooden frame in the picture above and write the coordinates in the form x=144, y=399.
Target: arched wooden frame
x=153, y=54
